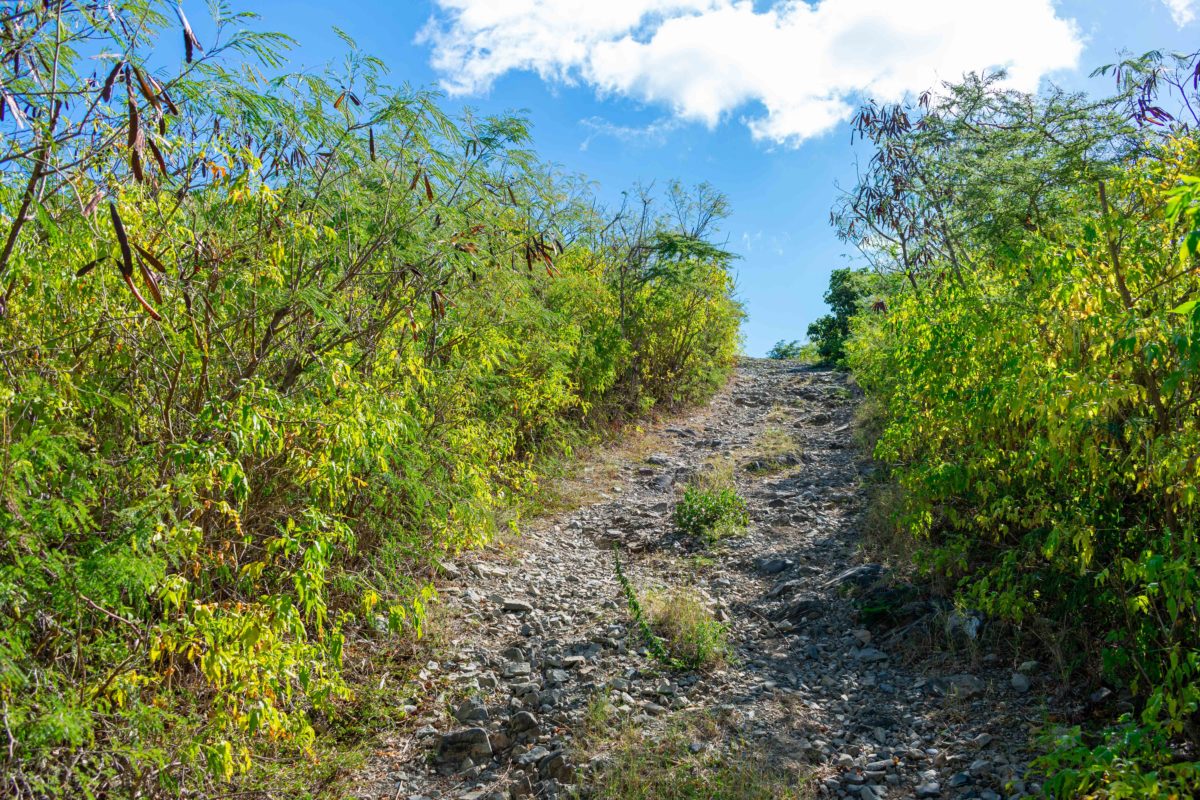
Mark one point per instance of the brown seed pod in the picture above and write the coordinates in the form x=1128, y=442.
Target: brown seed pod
x=91, y=265
x=151, y=281
x=145, y=89
x=92, y=204
x=412, y=322
x=153, y=259
x=158, y=156
x=127, y=259
x=122, y=239
x=106, y=92
x=134, y=126
x=141, y=300
x=190, y=42
x=166, y=98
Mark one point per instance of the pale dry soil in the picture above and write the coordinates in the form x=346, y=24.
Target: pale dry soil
x=904, y=703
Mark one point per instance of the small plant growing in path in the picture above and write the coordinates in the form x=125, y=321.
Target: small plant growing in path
x=677, y=628
x=653, y=643
x=774, y=450
x=711, y=514
x=598, y=714
x=693, y=637
x=688, y=761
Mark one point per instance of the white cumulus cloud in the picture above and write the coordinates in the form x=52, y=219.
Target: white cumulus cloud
x=794, y=69
x=1182, y=11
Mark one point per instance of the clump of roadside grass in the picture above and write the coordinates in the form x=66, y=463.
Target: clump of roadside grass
x=677, y=627
x=690, y=633
x=774, y=451
x=775, y=442
x=688, y=762
x=597, y=718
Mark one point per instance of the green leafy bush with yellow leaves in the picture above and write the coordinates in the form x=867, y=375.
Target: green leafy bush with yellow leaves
x=1038, y=371
x=271, y=350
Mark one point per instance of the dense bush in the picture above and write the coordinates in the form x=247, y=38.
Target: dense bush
x=1039, y=372
x=271, y=350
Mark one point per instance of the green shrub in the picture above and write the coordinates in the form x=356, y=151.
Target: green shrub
x=794, y=350
x=710, y=513
x=1129, y=761
x=1035, y=380
x=271, y=354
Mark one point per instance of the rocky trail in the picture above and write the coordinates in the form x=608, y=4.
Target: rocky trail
x=838, y=673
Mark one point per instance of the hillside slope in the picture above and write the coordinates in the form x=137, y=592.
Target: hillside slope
x=817, y=691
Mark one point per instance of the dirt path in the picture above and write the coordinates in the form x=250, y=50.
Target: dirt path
x=863, y=703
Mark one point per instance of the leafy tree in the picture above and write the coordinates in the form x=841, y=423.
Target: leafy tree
x=785, y=350
x=272, y=352
x=847, y=290
x=973, y=163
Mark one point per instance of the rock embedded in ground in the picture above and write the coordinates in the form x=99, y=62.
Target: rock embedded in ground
x=963, y=686
x=773, y=566
x=470, y=743
x=929, y=789
x=471, y=711
x=517, y=606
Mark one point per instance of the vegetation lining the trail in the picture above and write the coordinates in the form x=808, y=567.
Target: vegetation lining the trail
x=848, y=291
x=1035, y=369
x=271, y=350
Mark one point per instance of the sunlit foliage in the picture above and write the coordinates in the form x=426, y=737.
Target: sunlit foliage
x=270, y=349
x=1039, y=373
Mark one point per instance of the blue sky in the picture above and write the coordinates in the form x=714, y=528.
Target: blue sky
x=749, y=95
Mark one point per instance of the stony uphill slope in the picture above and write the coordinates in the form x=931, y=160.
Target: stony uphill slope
x=900, y=704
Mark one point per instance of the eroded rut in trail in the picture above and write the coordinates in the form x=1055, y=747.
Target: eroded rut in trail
x=819, y=686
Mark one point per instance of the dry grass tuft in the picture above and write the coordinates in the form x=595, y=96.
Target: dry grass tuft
x=688, y=762
x=688, y=629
